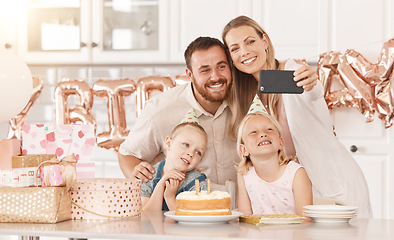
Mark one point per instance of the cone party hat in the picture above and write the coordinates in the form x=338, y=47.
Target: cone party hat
x=257, y=106
x=191, y=117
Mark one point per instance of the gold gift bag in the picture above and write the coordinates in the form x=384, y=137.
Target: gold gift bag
x=35, y=204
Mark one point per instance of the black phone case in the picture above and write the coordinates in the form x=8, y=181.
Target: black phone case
x=277, y=81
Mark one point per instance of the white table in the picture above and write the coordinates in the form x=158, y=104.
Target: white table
x=154, y=226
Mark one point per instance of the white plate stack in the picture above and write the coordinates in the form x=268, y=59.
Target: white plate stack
x=330, y=213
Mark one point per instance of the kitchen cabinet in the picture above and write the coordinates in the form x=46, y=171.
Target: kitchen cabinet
x=291, y=29
x=133, y=31
x=54, y=32
x=153, y=31
x=193, y=18
x=8, y=26
x=369, y=143
x=86, y=31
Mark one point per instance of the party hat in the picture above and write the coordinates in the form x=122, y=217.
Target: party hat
x=257, y=106
x=191, y=117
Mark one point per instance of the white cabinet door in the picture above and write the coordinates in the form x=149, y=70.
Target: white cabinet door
x=193, y=18
x=365, y=31
x=295, y=27
x=54, y=32
x=363, y=28
x=8, y=24
x=371, y=149
x=129, y=32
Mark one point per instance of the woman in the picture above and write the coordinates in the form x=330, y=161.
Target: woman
x=304, y=118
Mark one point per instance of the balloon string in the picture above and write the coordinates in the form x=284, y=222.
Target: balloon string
x=107, y=216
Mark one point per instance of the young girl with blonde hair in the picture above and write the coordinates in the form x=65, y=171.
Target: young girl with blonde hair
x=268, y=181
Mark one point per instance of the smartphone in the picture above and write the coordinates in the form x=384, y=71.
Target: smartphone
x=278, y=81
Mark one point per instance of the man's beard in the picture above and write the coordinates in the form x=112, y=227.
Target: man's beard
x=209, y=97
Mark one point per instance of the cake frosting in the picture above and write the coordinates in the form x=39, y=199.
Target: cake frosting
x=203, y=195
x=203, y=203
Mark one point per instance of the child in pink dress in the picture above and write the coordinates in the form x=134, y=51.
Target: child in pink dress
x=268, y=181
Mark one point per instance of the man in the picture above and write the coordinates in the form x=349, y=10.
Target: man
x=207, y=66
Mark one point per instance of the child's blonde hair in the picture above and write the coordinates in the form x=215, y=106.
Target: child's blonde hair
x=245, y=163
x=183, y=124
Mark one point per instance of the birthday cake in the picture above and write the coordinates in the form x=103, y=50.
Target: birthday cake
x=203, y=203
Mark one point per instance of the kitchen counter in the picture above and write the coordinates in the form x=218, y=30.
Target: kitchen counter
x=155, y=226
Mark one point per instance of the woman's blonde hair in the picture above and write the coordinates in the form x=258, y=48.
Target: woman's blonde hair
x=245, y=86
x=246, y=162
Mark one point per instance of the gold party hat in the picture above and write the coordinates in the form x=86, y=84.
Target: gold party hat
x=257, y=106
x=191, y=116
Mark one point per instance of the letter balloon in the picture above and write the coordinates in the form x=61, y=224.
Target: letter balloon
x=114, y=91
x=352, y=81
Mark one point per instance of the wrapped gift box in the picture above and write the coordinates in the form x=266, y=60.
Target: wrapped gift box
x=103, y=198
x=30, y=160
x=54, y=175
x=57, y=173
x=20, y=177
x=35, y=204
x=8, y=148
x=59, y=139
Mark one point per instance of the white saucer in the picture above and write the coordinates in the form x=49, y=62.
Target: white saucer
x=329, y=214
x=331, y=219
x=202, y=219
x=330, y=208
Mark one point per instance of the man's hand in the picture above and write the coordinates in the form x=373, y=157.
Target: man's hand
x=143, y=171
x=133, y=167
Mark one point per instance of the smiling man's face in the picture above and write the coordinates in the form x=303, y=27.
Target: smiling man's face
x=211, y=74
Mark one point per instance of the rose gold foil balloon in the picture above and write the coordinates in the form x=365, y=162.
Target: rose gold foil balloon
x=181, y=79
x=350, y=80
x=81, y=113
x=114, y=91
x=145, y=87
x=16, y=123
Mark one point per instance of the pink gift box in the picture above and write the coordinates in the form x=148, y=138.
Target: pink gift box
x=57, y=174
x=20, y=177
x=61, y=139
x=83, y=170
x=8, y=148
x=103, y=198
